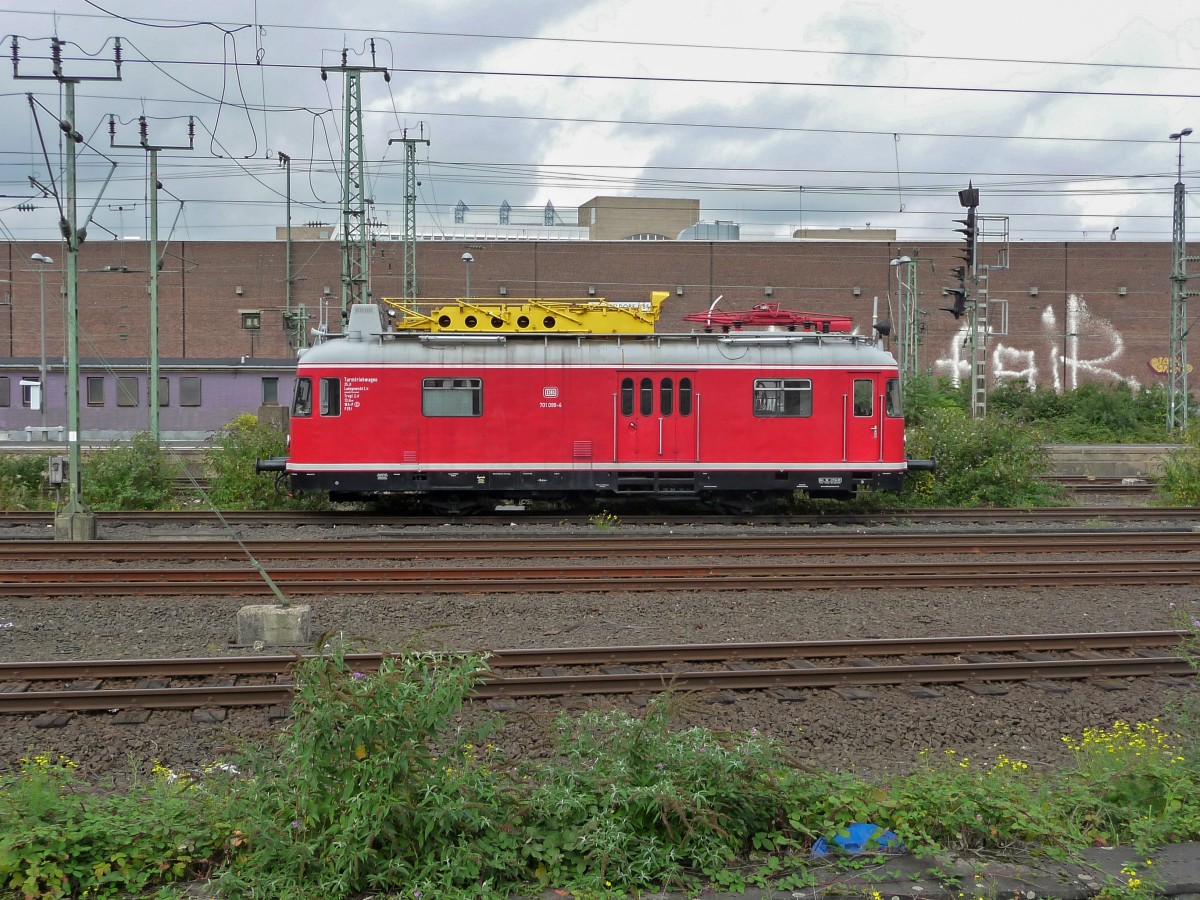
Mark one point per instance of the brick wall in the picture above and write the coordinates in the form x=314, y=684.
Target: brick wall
x=1053, y=340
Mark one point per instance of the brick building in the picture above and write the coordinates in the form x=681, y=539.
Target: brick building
x=1075, y=311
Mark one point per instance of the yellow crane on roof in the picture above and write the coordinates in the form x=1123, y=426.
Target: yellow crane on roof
x=489, y=315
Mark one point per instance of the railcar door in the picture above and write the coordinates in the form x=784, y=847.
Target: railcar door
x=654, y=417
x=862, y=408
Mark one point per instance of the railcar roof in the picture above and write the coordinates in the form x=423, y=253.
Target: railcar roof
x=368, y=342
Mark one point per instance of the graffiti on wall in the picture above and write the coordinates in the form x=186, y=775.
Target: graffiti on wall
x=1059, y=364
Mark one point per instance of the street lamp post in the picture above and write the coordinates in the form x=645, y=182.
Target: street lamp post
x=42, y=261
x=468, y=259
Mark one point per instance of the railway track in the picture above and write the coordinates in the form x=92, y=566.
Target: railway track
x=616, y=545
x=124, y=582
x=979, y=664
x=366, y=517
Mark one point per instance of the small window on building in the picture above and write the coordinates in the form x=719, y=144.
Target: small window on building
x=895, y=408
x=331, y=396
x=864, y=397
x=27, y=384
x=790, y=397
x=164, y=391
x=685, y=396
x=5, y=391
x=127, y=390
x=189, y=390
x=95, y=390
x=452, y=396
x=270, y=391
x=627, y=396
x=252, y=319
x=302, y=398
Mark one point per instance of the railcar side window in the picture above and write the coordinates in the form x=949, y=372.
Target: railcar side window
x=864, y=397
x=783, y=397
x=895, y=408
x=666, y=396
x=331, y=396
x=627, y=396
x=452, y=396
x=685, y=396
x=646, y=397
x=302, y=399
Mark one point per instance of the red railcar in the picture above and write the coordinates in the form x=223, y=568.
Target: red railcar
x=464, y=418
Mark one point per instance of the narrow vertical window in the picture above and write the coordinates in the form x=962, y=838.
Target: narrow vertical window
x=646, y=397
x=189, y=390
x=864, y=397
x=302, y=398
x=95, y=390
x=666, y=396
x=895, y=406
x=627, y=396
x=331, y=397
x=685, y=396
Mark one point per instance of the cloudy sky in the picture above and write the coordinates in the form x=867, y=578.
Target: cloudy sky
x=775, y=115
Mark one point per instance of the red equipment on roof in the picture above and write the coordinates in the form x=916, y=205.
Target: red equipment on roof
x=770, y=315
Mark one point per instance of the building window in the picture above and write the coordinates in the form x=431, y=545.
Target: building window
x=782, y=397
x=27, y=384
x=864, y=397
x=452, y=396
x=252, y=319
x=331, y=396
x=189, y=390
x=302, y=398
x=5, y=391
x=95, y=390
x=270, y=391
x=164, y=391
x=127, y=390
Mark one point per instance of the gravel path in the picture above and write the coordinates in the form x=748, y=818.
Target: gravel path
x=880, y=735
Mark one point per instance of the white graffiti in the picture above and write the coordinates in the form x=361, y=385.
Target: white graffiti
x=1063, y=350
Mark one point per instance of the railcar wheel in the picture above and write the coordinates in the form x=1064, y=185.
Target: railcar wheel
x=454, y=504
x=746, y=503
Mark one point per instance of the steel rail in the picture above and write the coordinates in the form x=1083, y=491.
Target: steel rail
x=990, y=572
x=369, y=517
x=958, y=673
x=279, y=665
x=625, y=544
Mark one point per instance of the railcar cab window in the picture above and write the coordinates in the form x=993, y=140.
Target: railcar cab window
x=302, y=399
x=782, y=397
x=895, y=408
x=331, y=396
x=452, y=397
x=864, y=397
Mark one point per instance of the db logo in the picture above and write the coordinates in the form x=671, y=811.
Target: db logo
x=549, y=392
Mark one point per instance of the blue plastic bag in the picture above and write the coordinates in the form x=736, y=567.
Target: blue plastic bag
x=861, y=837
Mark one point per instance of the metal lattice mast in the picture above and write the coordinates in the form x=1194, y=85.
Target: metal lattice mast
x=155, y=262
x=355, y=272
x=1177, y=365
x=74, y=521
x=909, y=338
x=410, y=210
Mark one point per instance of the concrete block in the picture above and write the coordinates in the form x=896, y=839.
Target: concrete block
x=273, y=626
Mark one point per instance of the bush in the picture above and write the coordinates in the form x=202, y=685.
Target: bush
x=133, y=475
x=230, y=459
x=1179, y=484
x=21, y=479
x=980, y=462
